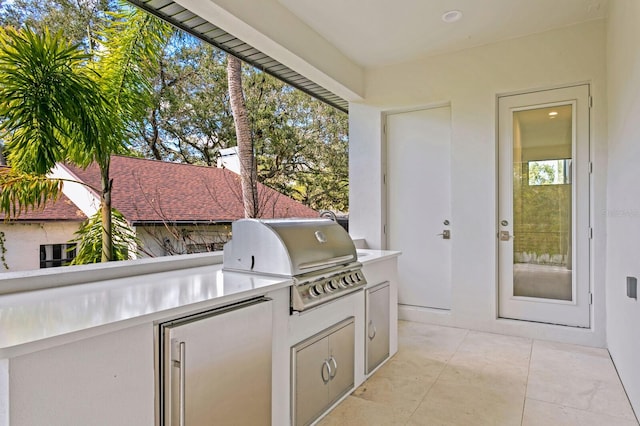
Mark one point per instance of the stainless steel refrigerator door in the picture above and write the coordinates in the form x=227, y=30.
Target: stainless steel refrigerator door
x=217, y=367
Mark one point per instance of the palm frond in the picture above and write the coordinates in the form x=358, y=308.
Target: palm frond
x=89, y=239
x=49, y=101
x=21, y=191
x=128, y=60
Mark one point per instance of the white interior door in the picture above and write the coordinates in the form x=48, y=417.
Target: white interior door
x=419, y=204
x=543, y=214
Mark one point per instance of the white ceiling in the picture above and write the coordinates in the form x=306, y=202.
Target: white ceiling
x=379, y=32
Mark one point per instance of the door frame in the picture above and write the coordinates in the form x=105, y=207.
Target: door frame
x=581, y=200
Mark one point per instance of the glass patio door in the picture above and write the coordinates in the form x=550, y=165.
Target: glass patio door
x=543, y=215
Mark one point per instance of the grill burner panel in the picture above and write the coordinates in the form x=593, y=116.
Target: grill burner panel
x=317, y=254
x=313, y=291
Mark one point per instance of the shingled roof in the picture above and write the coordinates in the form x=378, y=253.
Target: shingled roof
x=150, y=191
x=62, y=209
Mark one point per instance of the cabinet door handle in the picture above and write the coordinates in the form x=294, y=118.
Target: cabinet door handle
x=328, y=368
x=182, y=383
x=372, y=330
x=333, y=361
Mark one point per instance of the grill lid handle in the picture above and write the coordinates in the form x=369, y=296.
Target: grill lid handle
x=326, y=262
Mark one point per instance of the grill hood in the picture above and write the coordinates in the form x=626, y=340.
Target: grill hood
x=287, y=247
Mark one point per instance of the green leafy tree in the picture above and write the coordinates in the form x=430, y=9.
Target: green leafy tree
x=51, y=107
x=300, y=144
x=191, y=118
x=78, y=20
x=60, y=104
x=541, y=173
x=89, y=237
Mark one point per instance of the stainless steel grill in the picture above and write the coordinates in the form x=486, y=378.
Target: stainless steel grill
x=317, y=254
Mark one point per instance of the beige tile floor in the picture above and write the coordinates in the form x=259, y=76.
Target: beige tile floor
x=452, y=376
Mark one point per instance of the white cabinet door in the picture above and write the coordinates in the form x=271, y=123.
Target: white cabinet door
x=215, y=364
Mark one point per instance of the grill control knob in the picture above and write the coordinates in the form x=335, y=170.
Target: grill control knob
x=345, y=281
x=316, y=290
x=334, y=284
x=328, y=288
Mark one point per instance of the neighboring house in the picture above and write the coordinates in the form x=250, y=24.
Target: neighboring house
x=39, y=238
x=174, y=209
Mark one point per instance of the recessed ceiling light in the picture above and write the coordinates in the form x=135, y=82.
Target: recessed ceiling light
x=451, y=16
x=553, y=114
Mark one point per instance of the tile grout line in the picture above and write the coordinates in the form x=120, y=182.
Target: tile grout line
x=582, y=410
x=588, y=410
x=446, y=363
x=624, y=389
x=526, y=386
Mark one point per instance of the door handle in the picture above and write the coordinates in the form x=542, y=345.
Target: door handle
x=182, y=383
x=446, y=234
x=328, y=368
x=334, y=371
x=504, y=236
x=372, y=330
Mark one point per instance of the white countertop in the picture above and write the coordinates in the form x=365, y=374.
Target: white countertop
x=34, y=320
x=369, y=256
x=38, y=319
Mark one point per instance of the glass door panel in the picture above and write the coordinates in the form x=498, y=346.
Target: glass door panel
x=542, y=202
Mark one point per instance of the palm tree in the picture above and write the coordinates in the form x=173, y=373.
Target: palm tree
x=51, y=108
x=131, y=49
x=248, y=170
x=59, y=104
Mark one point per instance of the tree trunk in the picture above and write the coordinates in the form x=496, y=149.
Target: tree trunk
x=105, y=211
x=248, y=171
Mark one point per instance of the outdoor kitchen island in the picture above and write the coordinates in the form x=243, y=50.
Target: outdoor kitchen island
x=85, y=349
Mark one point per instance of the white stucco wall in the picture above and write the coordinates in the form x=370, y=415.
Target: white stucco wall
x=23, y=242
x=152, y=238
x=82, y=197
x=470, y=80
x=623, y=191
x=366, y=174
